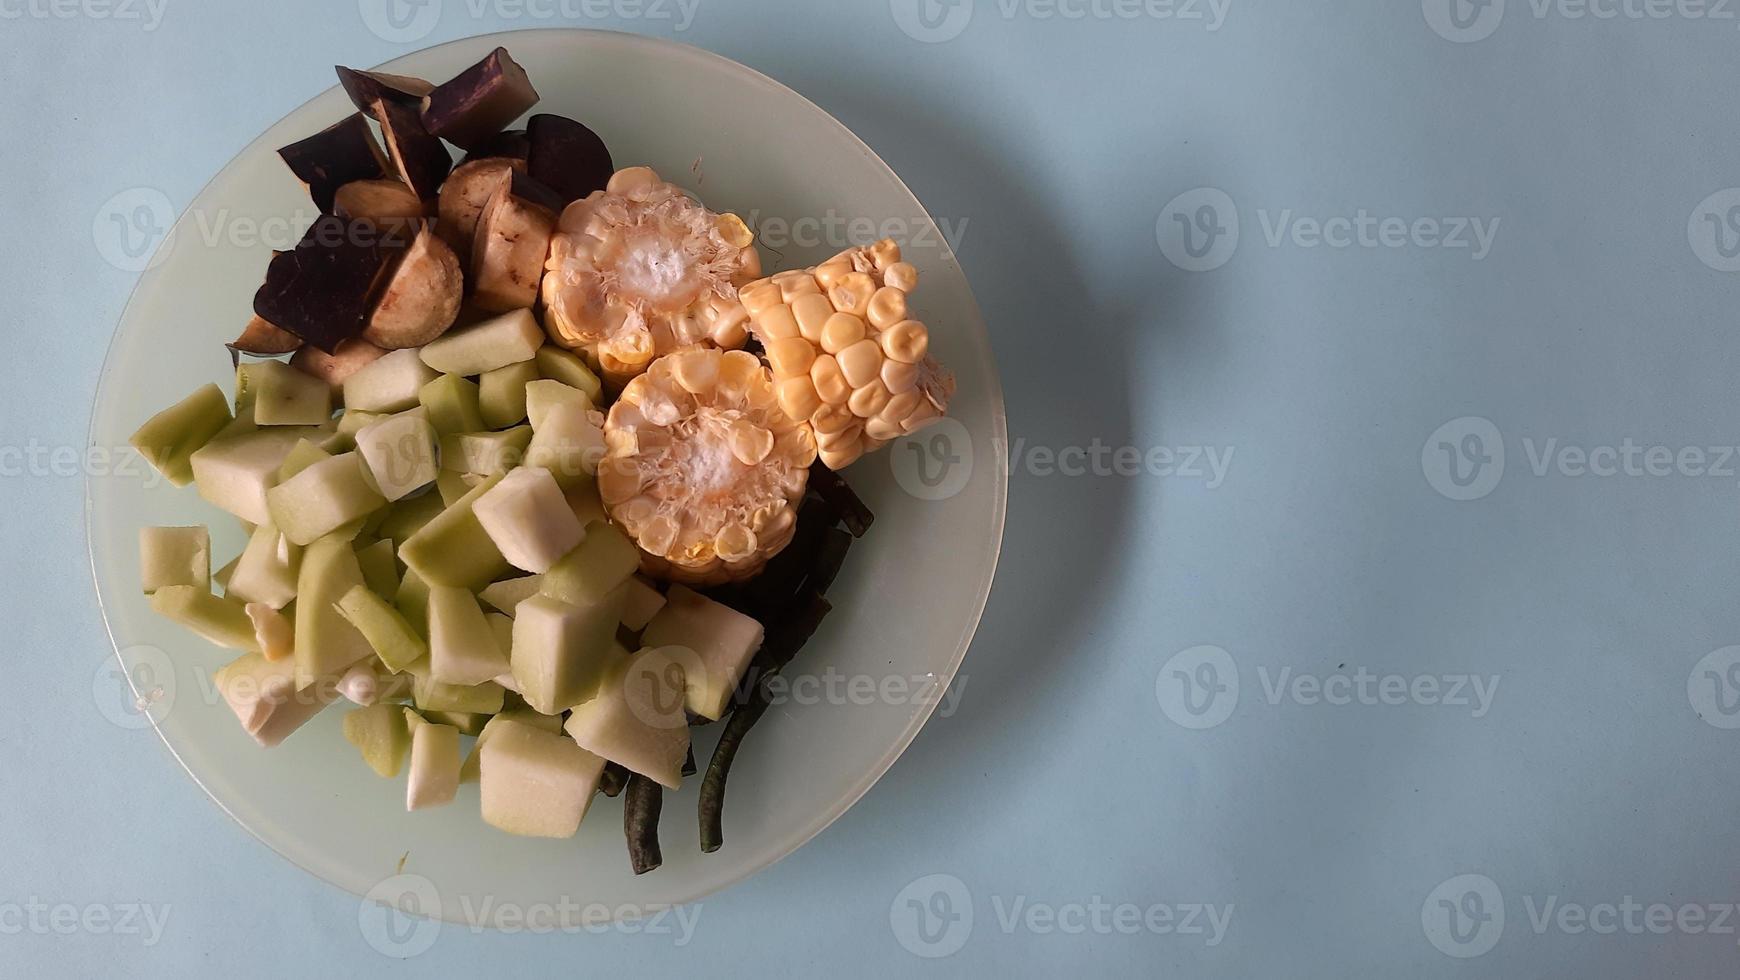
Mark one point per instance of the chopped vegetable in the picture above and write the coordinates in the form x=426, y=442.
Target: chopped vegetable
x=335, y=156
x=845, y=354
x=639, y=270
x=379, y=732
x=176, y=556
x=704, y=471
x=536, y=783
x=640, y=823
x=169, y=440
x=475, y=104
x=567, y=156
x=323, y=289
x=221, y=620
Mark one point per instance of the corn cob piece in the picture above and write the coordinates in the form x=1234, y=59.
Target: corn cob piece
x=846, y=355
x=639, y=270
x=701, y=467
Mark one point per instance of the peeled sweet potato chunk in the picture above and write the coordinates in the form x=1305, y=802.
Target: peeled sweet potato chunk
x=510, y=245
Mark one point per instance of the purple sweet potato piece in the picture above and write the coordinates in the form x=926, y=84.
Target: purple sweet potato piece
x=567, y=157
x=420, y=159
x=335, y=156
x=534, y=191
x=364, y=87
x=264, y=339
x=324, y=289
x=480, y=101
x=509, y=144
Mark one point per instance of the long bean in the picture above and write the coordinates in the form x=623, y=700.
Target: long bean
x=712, y=806
x=846, y=505
x=642, y=800
x=613, y=779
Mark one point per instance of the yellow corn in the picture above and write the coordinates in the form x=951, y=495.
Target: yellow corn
x=639, y=270
x=846, y=355
x=702, y=468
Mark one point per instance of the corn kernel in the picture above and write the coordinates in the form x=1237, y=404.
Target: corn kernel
x=860, y=363
x=695, y=371
x=881, y=429
x=902, y=276
x=759, y=297
x=798, y=398
x=907, y=341
x=885, y=253
x=790, y=356
x=898, y=376
x=829, y=272
x=776, y=322
x=812, y=313
x=735, y=233
x=830, y=419
x=846, y=437
x=887, y=307
x=841, y=331
x=852, y=292
x=829, y=382
x=867, y=401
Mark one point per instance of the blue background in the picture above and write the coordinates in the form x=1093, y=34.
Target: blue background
x=1065, y=776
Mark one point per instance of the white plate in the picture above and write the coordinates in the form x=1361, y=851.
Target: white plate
x=905, y=607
